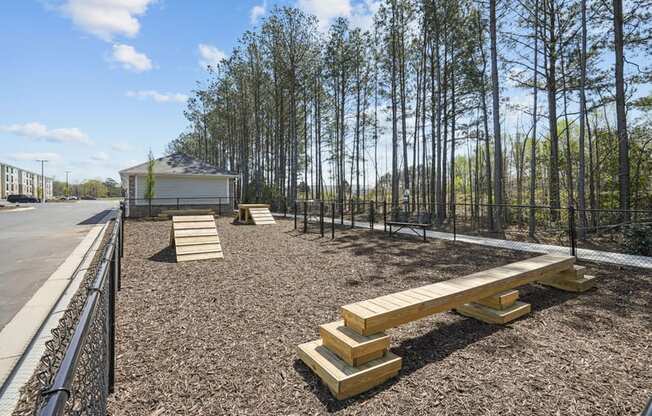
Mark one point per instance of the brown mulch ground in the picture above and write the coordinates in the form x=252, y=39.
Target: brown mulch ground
x=219, y=337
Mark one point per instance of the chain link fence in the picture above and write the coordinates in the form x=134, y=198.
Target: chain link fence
x=76, y=373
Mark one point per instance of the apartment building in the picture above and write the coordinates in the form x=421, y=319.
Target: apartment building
x=14, y=180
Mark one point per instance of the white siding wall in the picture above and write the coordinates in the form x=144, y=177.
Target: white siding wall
x=188, y=188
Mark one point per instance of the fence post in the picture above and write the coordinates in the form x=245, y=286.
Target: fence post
x=372, y=212
x=321, y=218
x=342, y=213
x=385, y=215
x=571, y=230
x=333, y=221
x=352, y=214
x=122, y=232
x=119, y=255
x=305, y=217
x=113, y=272
x=295, y=215
x=454, y=221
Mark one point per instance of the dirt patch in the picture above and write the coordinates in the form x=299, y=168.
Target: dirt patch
x=219, y=337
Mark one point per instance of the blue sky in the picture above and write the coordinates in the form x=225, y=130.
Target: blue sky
x=93, y=84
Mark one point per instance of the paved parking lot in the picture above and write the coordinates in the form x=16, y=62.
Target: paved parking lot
x=35, y=242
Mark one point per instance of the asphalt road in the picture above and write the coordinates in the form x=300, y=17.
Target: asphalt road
x=34, y=243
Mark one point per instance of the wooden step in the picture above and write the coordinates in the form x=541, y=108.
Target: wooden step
x=200, y=256
x=191, y=241
x=200, y=232
x=193, y=218
x=494, y=316
x=579, y=285
x=353, y=348
x=199, y=248
x=577, y=272
x=342, y=379
x=193, y=225
x=371, y=317
x=501, y=300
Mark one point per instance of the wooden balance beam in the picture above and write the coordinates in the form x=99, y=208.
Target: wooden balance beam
x=352, y=355
x=195, y=238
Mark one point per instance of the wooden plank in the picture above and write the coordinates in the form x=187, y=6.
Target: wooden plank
x=195, y=232
x=189, y=241
x=201, y=256
x=193, y=225
x=458, y=292
x=342, y=379
x=199, y=248
x=351, y=347
x=494, y=316
x=193, y=218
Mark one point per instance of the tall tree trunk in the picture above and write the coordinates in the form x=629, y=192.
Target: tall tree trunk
x=498, y=148
x=621, y=116
x=581, y=198
x=533, y=146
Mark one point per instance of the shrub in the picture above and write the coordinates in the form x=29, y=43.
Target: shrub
x=637, y=239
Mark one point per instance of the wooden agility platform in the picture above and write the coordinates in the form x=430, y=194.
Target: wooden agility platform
x=352, y=355
x=258, y=214
x=195, y=238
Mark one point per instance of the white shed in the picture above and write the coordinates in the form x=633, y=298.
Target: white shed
x=180, y=181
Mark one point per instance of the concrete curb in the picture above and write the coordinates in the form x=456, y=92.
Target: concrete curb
x=24, y=337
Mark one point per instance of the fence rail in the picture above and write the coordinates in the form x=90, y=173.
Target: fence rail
x=86, y=373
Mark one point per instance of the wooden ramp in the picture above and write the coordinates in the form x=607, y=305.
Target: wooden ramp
x=261, y=216
x=195, y=238
x=352, y=355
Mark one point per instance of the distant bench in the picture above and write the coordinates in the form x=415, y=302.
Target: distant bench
x=411, y=225
x=352, y=355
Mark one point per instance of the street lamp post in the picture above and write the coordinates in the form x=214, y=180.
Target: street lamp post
x=42, y=179
x=67, y=186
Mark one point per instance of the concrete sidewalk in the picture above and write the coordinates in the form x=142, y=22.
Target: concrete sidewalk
x=582, y=254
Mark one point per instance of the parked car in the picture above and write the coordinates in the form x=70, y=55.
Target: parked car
x=88, y=198
x=21, y=199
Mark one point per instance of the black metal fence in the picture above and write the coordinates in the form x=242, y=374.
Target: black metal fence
x=146, y=207
x=599, y=230
x=77, y=372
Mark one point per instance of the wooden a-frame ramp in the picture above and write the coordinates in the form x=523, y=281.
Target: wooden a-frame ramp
x=195, y=238
x=352, y=355
x=261, y=216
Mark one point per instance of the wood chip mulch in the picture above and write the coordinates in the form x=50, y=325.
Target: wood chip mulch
x=218, y=337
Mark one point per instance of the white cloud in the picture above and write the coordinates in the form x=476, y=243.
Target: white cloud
x=209, y=55
x=23, y=156
x=158, y=97
x=130, y=58
x=359, y=13
x=38, y=131
x=256, y=12
x=107, y=18
x=120, y=147
x=100, y=157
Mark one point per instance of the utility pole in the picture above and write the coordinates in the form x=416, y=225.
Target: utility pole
x=42, y=179
x=67, y=187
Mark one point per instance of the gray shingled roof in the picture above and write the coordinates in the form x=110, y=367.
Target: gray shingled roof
x=178, y=164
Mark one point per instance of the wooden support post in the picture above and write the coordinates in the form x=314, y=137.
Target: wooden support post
x=501, y=308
